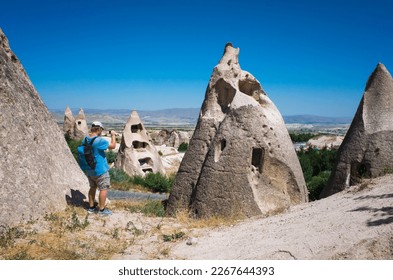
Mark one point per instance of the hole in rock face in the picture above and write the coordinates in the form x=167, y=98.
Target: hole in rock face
x=251, y=87
x=225, y=94
x=79, y=122
x=139, y=145
x=223, y=144
x=219, y=147
x=136, y=128
x=145, y=161
x=147, y=170
x=358, y=172
x=257, y=158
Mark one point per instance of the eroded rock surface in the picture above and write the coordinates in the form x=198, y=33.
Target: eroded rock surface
x=240, y=160
x=37, y=169
x=367, y=148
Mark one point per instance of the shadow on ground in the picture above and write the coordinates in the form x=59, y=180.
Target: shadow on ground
x=384, y=213
x=76, y=199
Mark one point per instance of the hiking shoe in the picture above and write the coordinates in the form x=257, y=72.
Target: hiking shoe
x=92, y=210
x=105, y=212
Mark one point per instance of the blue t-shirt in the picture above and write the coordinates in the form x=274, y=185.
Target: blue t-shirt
x=99, y=147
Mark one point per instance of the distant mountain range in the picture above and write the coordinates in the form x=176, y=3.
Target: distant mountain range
x=181, y=116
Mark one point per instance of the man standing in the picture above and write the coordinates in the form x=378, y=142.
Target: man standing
x=99, y=176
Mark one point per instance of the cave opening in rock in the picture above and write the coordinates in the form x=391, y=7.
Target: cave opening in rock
x=136, y=128
x=257, y=158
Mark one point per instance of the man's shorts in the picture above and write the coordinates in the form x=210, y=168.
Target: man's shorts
x=102, y=181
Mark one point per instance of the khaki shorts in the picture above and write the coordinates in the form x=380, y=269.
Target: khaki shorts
x=102, y=181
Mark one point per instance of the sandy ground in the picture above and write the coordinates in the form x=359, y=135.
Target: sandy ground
x=355, y=224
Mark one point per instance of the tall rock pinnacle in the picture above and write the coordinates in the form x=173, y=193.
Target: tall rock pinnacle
x=240, y=160
x=367, y=148
x=37, y=169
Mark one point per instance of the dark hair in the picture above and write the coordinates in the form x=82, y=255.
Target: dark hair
x=95, y=129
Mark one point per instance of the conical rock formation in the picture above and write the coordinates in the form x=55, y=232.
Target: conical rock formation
x=68, y=124
x=367, y=148
x=137, y=155
x=240, y=160
x=37, y=169
x=80, y=126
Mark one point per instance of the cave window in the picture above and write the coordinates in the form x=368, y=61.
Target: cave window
x=79, y=122
x=136, y=128
x=219, y=147
x=258, y=158
x=223, y=144
x=139, y=145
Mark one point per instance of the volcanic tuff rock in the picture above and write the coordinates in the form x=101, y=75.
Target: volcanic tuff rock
x=367, y=148
x=37, y=169
x=80, y=127
x=240, y=160
x=69, y=121
x=136, y=154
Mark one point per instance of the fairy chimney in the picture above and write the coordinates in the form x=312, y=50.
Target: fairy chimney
x=367, y=148
x=137, y=155
x=80, y=126
x=240, y=160
x=37, y=170
x=68, y=124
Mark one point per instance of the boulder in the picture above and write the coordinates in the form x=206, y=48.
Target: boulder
x=367, y=148
x=37, y=170
x=240, y=160
x=137, y=155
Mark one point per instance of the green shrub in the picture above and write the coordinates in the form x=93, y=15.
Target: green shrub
x=118, y=176
x=301, y=137
x=152, y=208
x=111, y=156
x=183, y=147
x=73, y=145
x=156, y=182
x=316, y=185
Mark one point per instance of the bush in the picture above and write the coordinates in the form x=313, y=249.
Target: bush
x=152, y=208
x=317, y=166
x=155, y=182
x=111, y=156
x=182, y=147
x=316, y=185
x=119, y=176
x=301, y=137
x=73, y=145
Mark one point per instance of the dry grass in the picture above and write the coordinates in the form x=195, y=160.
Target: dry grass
x=184, y=218
x=135, y=227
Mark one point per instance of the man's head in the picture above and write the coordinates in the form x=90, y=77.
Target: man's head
x=96, y=127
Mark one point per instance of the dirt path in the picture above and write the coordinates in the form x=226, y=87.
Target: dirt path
x=356, y=224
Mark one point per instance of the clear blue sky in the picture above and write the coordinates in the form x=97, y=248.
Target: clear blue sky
x=311, y=57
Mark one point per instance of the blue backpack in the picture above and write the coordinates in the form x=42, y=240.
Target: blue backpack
x=86, y=157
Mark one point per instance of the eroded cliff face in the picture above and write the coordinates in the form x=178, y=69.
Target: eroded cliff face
x=37, y=169
x=367, y=148
x=240, y=161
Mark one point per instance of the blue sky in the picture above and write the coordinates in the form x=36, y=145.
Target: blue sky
x=311, y=57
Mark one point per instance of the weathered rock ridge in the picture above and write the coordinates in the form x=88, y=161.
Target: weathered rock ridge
x=37, y=169
x=240, y=160
x=367, y=148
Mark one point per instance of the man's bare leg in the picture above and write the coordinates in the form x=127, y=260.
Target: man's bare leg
x=92, y=195
x=102, y=199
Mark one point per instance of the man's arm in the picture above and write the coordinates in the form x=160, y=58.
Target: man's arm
x=112, y=145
